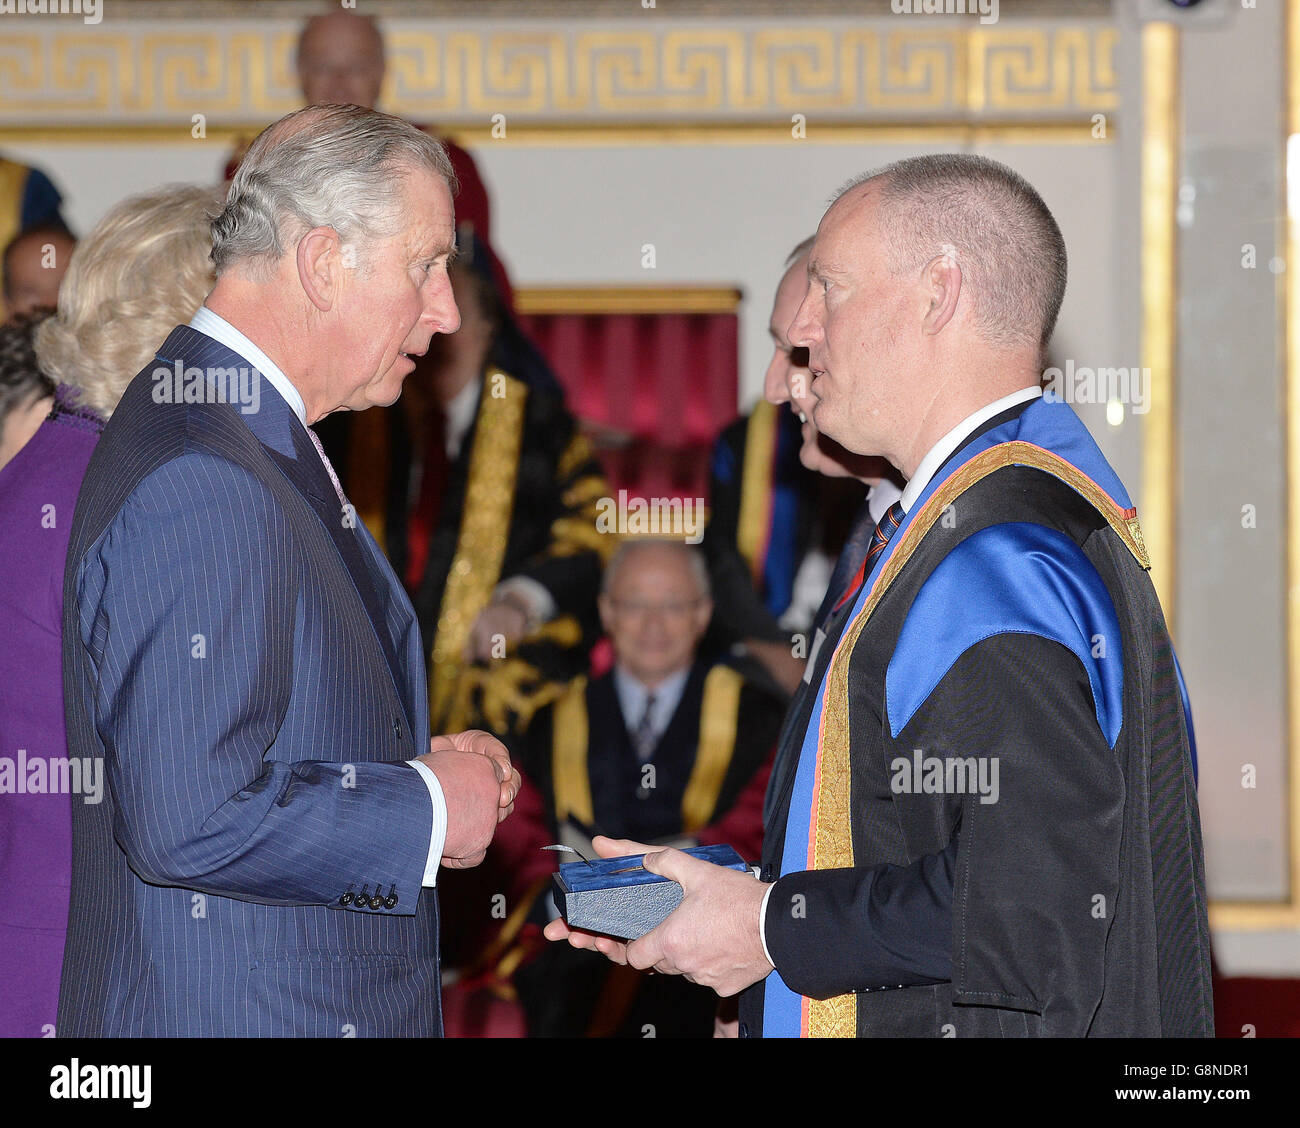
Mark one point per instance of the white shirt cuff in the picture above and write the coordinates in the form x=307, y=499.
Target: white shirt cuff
x=539, y=601
x=762, y=924
x=438, y=835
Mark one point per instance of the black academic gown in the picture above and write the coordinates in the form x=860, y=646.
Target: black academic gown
x=1072, y=905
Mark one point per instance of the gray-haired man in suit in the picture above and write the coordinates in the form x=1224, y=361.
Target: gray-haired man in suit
x=238, y=650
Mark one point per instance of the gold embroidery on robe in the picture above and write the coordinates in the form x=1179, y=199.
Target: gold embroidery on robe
x=484, y=529
x=13, y=180
x=718, y=719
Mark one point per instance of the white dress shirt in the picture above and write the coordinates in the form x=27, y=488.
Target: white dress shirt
x=633, y=694
x=219, y=329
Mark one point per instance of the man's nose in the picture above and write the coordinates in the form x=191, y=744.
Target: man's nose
x=441, y=309
x=774, y=380
x=803, y=329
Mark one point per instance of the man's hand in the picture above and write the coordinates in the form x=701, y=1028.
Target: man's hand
x=485, y=744
x=479, y=785
x=504, y=618
x=711, y=938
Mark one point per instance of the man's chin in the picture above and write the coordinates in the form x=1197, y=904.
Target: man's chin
x=383, y=393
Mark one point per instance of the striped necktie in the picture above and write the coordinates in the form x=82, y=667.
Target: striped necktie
x=885, y=528
x=644, y=738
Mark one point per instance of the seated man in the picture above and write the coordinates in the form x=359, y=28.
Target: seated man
x=664, y=748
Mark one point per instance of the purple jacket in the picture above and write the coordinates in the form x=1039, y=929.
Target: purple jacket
x=38, y=491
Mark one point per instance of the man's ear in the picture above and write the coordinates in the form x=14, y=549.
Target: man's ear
x=942, y=279
x=320, y=266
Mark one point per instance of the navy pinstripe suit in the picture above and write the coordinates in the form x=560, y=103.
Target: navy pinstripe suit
x=250, y=669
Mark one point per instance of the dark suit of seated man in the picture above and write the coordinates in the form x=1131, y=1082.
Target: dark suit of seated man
x=664, y=748
x=238, y=651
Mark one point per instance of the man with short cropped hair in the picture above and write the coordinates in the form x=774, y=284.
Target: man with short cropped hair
x=991, y=827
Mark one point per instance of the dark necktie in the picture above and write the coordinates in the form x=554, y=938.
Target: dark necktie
x=885, y=528
x=643, y=739
x=846, y=564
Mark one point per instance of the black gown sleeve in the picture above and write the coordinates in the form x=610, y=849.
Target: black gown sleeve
x=1022, y=893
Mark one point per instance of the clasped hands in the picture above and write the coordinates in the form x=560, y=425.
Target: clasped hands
x=479, y=785
x=711, y=938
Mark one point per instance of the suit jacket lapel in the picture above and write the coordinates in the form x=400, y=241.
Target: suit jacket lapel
x=285, y=440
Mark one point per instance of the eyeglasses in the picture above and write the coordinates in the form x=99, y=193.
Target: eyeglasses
x=636, y=608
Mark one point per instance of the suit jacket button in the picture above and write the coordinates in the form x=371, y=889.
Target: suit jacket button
x=391, y=902
x=397, y=728
x=376, y=901
x=363, y=898
x=743, y=1030
x=346, y=899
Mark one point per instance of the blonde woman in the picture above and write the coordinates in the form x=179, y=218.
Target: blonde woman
x=144, y=268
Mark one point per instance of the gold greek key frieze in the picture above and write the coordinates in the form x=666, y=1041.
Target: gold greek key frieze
x=242, y=74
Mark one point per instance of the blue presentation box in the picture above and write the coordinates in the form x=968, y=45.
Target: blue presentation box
x=617, y=897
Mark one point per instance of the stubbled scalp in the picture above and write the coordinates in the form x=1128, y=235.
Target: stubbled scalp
x=991, y=220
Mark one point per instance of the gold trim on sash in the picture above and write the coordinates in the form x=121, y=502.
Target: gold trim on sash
x=484, y=529
x=719, y=715
x=833, y=835
x=569, y=775
x=756, y=486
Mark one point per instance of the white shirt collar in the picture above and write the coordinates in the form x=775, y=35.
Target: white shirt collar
x=219, y=329
x=632, y=698
x=880, y=497
x=954, y=439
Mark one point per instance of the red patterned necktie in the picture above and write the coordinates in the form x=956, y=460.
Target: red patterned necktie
x=885, y=528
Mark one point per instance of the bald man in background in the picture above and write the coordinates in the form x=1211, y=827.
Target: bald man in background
x=341, y=60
